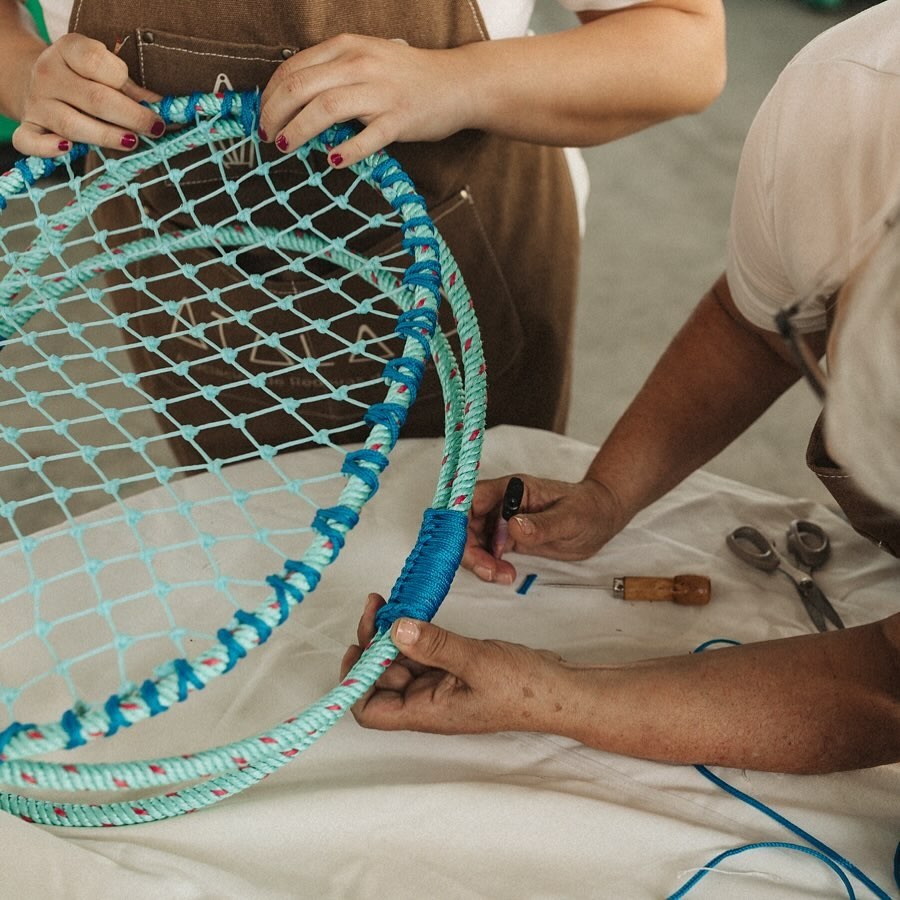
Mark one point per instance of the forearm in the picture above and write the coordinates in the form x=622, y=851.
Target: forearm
x=20, y=46
x=716, y=378
x=601, y=81
x=815, y=703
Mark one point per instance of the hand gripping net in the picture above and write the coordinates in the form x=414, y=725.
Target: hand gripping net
x=99, y=465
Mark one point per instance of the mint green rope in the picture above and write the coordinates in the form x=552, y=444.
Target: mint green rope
x=233, y=767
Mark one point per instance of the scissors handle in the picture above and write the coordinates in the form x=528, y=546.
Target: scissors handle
x=752, y=546
x=808, y=543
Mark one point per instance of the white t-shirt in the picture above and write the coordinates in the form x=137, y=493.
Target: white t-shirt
x=504, y=18
x=820, y=170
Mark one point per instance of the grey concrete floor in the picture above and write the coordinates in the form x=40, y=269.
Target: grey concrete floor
x=657, y=226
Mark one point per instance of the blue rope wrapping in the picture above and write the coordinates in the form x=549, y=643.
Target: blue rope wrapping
x=389, y=415
x=186, y=675
x=340, y=515
x=150, y=696
x=249, y=111
x=116, y=719
x=10, y=732
x=69, y=722
x=255, y=622
x=429, y=569
x=353, y=466
x=822, y=850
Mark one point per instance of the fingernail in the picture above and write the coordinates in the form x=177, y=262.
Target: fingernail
x=281, y=142
x=407, y=631
x=335, y=159
x=504, y=578
x=159, y=128
x=64, y=146
x=262, y=133
x=484, y=573
x=129, y=141
x=525, y=525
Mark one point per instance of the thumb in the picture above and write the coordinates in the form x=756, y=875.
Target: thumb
x=551, y=526
x=430, y=645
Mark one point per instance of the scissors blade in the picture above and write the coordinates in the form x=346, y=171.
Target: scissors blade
x=818, y=606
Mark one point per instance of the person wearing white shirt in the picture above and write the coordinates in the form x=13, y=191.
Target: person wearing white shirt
x=815, y=246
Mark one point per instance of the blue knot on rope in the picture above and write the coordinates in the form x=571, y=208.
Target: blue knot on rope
x=249, y=111
x=341, y=515
x=390, y=415
x=384, y=169
x=227, y=103
x=11, y=731
x=282, y=588
x=116, y=719
x=337, y=134
x=354, y=467
x=192, y=106
x=150, y=696
x=261, y=628
x=165, y=109
x=413, y=322
x=186, y=675
x=26, y=173
x=394, y=371
x=311, y=575
x=413, y=242
x=429, y=569
x=424, y=273
x=72, y=728
x=234, y=649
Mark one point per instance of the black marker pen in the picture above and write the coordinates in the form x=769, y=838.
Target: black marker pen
x=512, y=500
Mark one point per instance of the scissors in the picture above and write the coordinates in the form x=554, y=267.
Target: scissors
x=809, y=545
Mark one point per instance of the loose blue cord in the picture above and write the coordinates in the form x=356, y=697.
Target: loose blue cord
x=822, y=851
x=759, y=846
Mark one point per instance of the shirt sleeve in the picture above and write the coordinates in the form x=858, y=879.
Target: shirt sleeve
x=817, y=177
x=756, y=278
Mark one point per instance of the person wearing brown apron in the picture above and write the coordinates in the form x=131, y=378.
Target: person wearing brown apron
x=505, y=208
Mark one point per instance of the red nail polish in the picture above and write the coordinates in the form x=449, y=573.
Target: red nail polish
x=281, y=142
x=335, y=159
x=64, y=146
x=262, y=133
x=129, y=141
x=158, y=129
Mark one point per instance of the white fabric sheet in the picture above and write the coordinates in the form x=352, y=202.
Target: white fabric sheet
x=365, y=814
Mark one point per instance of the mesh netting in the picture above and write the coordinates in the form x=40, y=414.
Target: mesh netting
x=166, y=316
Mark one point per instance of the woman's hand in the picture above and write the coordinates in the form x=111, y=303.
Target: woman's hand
x=558, y=519
x=448, y=684
x=398, y=92
x=78, y=90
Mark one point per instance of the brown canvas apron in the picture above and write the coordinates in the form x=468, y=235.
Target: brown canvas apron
x=505, y=208
x=868, y=517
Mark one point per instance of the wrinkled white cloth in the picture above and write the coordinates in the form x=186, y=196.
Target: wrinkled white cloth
x=367, y=814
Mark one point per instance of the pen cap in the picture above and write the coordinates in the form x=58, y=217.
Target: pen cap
x=512, y=498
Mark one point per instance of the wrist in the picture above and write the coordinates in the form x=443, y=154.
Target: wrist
x=607, y=502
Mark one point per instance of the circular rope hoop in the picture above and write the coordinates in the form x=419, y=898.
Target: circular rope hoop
x=42, y=281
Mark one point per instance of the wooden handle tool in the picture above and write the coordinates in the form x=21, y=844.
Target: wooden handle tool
x=686, y=590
